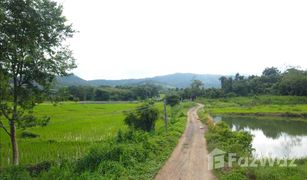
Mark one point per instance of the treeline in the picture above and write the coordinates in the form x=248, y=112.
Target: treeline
x=272, y=81
x=107, y=93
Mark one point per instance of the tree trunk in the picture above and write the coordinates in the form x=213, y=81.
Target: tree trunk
x=14, y=143
x=13, y=125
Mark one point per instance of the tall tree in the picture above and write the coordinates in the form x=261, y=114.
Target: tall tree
x=197, y=87
x=294, y=82
x=226, y=84
x=272, y=71
x=270, y=76
x=31, y=55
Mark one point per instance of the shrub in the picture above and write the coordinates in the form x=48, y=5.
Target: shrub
x=26, y=134
x=220, y=136
x=172, y=99
x=128, y=148
x=144, y=117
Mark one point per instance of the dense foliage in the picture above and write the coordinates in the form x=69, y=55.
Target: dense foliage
x=172, y=99
x=107, y=93
x=220, y=136
x=291, y=82
x=143, y=117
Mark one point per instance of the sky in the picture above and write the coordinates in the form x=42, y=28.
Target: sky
x=120, y=39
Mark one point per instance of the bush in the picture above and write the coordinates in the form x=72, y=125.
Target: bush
x=172, y=99
x=128, y=148
x=144, y=117
x=220, y=136
x=26, y=134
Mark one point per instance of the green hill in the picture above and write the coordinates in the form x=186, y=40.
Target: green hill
x=178, y=80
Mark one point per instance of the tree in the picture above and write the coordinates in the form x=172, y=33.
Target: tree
x=238, y=77
x=226, y=84
x=270, y=76
x=146, y=91
x=272, y=71
x=293, y=82
x=31, y=55
x=102, y=95
x=197, y=87
x=143, y=117
x=240, y=87
x=172, y=99
x=213, y=93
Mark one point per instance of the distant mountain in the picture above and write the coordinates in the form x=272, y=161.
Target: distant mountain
x=178, y=80
x=72, y=80
x=183, y=80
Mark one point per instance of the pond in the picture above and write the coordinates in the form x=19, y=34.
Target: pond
x=272, y=138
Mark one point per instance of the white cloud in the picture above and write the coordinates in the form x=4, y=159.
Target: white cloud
x=138, y=38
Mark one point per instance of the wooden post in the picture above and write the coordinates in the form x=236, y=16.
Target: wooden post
x=165, y=115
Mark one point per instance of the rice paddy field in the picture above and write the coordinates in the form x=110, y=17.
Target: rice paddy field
x=73, y=129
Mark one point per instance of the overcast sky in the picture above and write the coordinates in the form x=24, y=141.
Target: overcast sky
x=140, y=38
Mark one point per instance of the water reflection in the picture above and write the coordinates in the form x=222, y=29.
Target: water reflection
x=272, y=138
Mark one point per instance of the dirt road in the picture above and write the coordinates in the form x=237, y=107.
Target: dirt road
x=189, y=159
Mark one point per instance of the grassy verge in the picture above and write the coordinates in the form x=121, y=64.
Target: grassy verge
x=127, y=155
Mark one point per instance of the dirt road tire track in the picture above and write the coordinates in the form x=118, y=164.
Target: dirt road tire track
x=189, y=160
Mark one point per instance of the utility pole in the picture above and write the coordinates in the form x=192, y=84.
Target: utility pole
x=0, y=151
x=165, y=115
